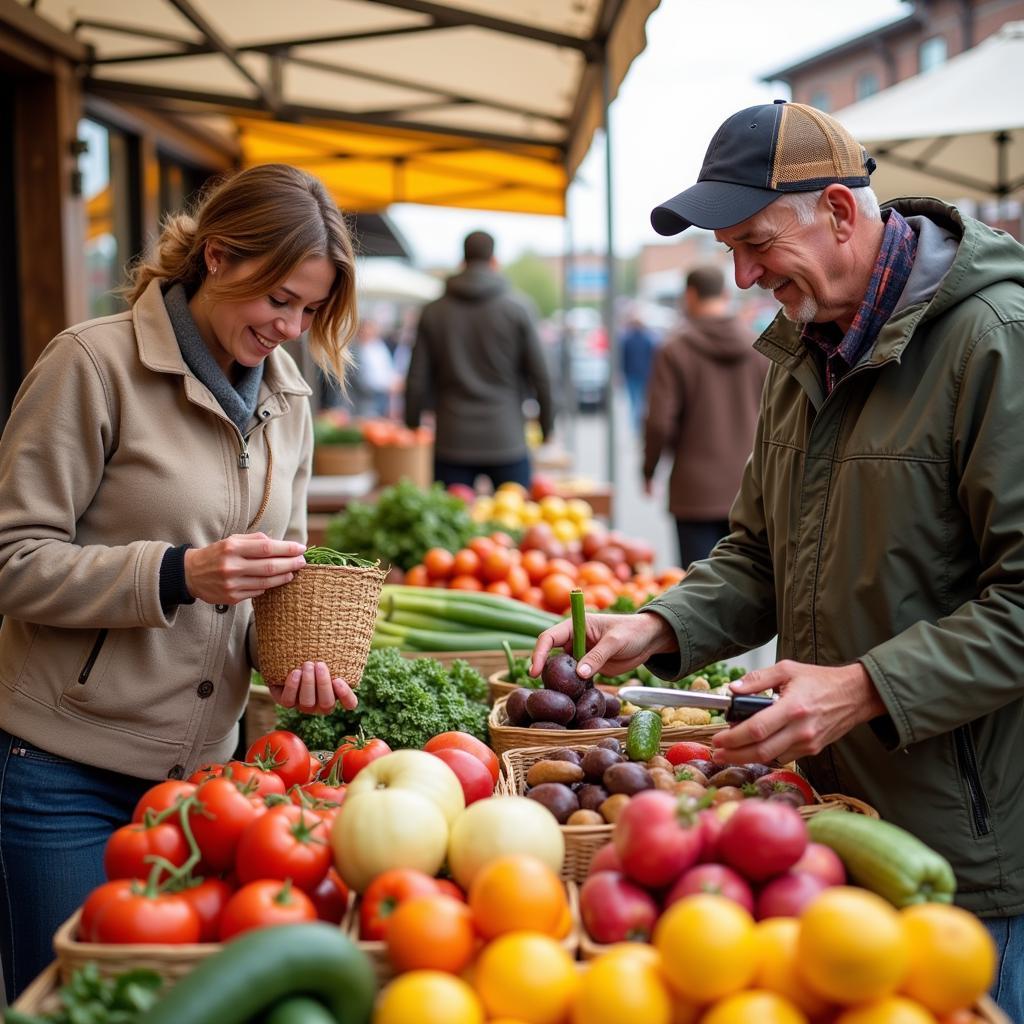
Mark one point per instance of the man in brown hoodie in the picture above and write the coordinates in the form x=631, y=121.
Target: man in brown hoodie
x=702, y=403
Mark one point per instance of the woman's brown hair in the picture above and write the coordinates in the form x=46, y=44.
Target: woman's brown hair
x=279, y=216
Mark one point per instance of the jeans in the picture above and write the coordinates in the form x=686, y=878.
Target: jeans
x=506, y=472
x=55, y=818
x=698, y=537
x=636, y=390
x=1008, y=991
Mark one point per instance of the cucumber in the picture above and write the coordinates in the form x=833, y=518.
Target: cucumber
x=643, y=735
x=299, y=1010
x=262, y=967
x=885, y=858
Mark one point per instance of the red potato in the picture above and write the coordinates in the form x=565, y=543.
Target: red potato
x=762, y=838
x=656, y=839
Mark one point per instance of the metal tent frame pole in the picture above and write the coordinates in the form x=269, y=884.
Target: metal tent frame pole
x=609, y=288
x=570, y=407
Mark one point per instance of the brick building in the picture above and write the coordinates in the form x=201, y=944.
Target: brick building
x=931, y=32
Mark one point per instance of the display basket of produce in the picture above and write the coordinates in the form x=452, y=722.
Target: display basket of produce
x=339, y=449
x=589, y=823
x=169, y=961
x=407, y=458
x=326, y=613
x=378, y=953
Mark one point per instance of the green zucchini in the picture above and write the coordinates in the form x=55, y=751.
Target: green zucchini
x=262, y=967
x=643, y=735
x=885, y=858
x=299, y=1010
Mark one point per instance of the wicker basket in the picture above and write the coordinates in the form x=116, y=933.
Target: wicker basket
x=170, y=962
x=512, y=737
x=583, y=841
x=397, y=462
x=326, y=613
x=378, y=952
x=341, y=459
x=487, y=663
x=498, y=686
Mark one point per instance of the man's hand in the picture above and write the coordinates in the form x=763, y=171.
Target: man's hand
x=817, y=706
x=616, y=643
x=312, y=690
x=241, y=566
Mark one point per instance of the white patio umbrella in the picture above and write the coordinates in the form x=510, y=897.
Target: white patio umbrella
x=956, y=132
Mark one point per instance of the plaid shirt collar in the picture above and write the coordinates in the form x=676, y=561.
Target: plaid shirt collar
x=888, y=279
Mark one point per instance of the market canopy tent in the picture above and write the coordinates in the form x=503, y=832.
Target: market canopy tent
x=956, y=132
x=489, y=104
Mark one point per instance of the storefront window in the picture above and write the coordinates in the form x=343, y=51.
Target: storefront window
x=179, y=184
x=110, y=191
x=867, y=85
x=931, y=53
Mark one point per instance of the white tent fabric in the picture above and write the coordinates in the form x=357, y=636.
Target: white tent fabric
x=391, y=281
x=956, y=132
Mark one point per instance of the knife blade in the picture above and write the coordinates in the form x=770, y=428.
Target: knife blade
x=737, y=709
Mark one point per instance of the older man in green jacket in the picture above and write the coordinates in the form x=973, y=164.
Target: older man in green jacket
x=879, y=527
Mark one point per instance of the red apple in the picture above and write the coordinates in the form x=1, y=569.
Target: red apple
x=463, y=491
x=788, y=895
x=606, y=859
x=823, y=862
x=615, y=910
x=656, y=838
x=762, y=838
x=542, y=486
x=713, y=878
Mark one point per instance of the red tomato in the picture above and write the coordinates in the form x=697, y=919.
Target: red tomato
x=255, y=780
x=314, y=793
x=438, y=563
x=129, y=850
x=470, y=744
x=164, y=918
x=286, y=842
x=283, y=753
x=786, y=778
x=465, y=583
x=208, y=899
x=330, y=898
x=502, y=539
x=208, y=771
x=162, y=796
x=417, y=576
x=221, y=819
x=680, y=753
x=389, y=890
x=467, y=563
x=446, y=887
x=119, y=889
x=264, y=903
x=355, y=754
x=315, y=767
x=473, y=776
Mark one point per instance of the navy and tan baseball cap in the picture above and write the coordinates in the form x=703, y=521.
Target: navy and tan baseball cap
x=759, y=154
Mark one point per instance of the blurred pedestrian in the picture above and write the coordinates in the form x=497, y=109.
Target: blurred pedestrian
x=637, y=348
x=476, y=358
x=702, y=409
x=373, y=377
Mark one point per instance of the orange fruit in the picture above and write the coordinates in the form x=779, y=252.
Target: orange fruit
x=517, y=893
x=496, y=564
x=556, y=589
x=754, y=1007
x=777, y=972
x=952, y=957
x=428, y=997
x=526, y=976
x=888, y=1010
x=431, y=933
x=621, y=986
x=852, y=946
x=721, y=962
x=417, y=576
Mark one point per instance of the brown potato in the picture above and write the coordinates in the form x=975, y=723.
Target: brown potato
x=663, y=779
x=585, y=817
x=613, y=807
x=553, y=771
x=659, y=761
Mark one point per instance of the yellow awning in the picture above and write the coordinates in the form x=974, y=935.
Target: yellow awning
x=488, y=104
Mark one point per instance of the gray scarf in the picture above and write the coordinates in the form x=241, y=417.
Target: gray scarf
x=237, y=400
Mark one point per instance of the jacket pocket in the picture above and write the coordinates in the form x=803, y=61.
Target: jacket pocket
x=94, y=653
x=967, y=762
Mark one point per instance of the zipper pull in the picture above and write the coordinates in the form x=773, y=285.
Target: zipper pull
x=243, y=459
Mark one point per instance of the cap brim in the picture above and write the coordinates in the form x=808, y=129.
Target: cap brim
x=711, y=205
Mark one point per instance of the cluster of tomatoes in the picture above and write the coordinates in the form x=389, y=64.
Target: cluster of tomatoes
x=236, y=846
x=494, y=564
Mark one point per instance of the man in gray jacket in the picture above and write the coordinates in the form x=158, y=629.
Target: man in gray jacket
x=476, y=358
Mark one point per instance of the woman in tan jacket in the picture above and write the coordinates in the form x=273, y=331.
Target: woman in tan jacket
x=154, y=474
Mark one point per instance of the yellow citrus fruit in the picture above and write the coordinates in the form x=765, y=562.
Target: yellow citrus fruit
x=642, y=951
x=552, y=507
x=754, y=1007
x=621, y=986
x=530, y=513
x=507, y=500
x=777, y=940
x=578, y=510
x=517, y=893
x=852, y=946
x=527, y=976
x=888, y=1010
x=511, y=487
x=565, y=529
x=721, y=962
x=952, y=957
x=428, y=997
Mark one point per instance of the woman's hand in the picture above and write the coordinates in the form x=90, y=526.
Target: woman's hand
x=242, y=566
x=312, y=690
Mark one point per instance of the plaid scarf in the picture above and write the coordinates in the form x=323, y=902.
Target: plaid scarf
x=888, y=279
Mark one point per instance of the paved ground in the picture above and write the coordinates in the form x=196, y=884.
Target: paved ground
x=635, y=513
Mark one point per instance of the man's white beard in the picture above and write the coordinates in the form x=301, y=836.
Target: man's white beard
x=802, y=312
